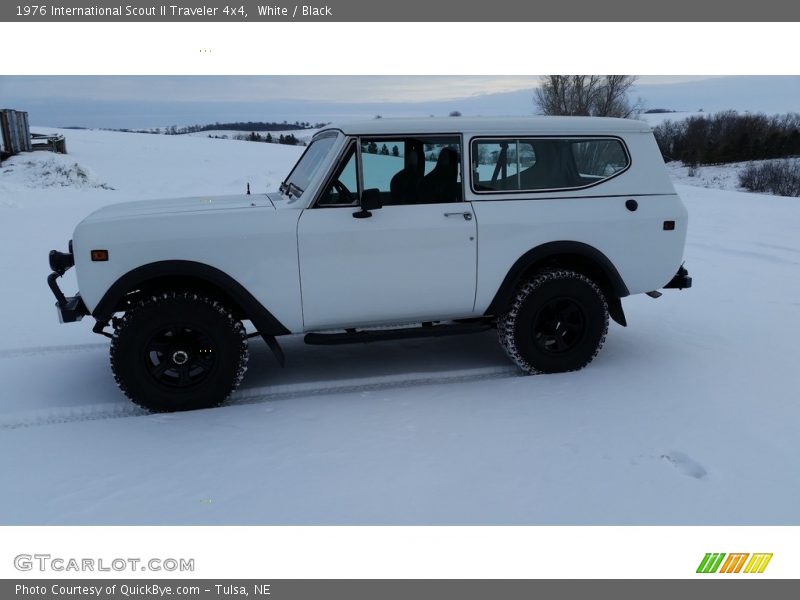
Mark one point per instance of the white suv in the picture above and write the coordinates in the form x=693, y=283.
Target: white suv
x=386, y=229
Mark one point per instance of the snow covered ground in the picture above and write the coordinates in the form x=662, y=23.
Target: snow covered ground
x=688, y=416
x=721, y=177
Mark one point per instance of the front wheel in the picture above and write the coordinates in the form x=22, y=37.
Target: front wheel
x=557, y=322
x=178, y=351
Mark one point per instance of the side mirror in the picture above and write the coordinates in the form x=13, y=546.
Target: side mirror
x=370, y=200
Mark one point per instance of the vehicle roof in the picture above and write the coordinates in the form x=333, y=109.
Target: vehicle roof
x=490, y=126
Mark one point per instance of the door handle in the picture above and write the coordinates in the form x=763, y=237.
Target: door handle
x=466, y=215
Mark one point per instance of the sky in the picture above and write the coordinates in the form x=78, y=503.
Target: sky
x=159, y=101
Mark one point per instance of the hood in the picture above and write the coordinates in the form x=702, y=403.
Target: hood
x=196, y=204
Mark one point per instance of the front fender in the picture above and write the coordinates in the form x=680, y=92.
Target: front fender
x=181, y=273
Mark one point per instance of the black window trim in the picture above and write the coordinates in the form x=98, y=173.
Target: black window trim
x=350, y=142
x=523, y=137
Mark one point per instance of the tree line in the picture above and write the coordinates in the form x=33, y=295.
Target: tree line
x=259, y=126
x=372, y=148
x=289, y=139
x=729, y=137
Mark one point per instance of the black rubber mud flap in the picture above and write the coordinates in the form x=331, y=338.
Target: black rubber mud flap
x=615, y=311
x=276, y=349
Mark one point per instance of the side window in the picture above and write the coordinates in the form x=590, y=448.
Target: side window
x=343, y=188
x=381, y=160
x=419, y=170
x=311, y=161
x=544, y=163
x=498, y=164
x=599, y=159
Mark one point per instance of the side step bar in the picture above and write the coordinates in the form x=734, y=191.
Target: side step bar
x=380, y=335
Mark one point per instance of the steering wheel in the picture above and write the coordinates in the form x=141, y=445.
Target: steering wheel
x=342, y=190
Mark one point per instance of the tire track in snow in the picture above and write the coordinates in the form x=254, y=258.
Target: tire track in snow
x=366, y=384
x=70, y=414
x=258, y=395
x=45, y=350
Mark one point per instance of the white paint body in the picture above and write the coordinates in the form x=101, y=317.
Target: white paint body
x=320, y=268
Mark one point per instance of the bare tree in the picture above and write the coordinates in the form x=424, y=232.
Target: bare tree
x=586, y=95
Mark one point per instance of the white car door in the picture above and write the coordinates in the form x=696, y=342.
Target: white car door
x=404, y=263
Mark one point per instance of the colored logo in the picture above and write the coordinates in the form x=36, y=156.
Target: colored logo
x=719, y=562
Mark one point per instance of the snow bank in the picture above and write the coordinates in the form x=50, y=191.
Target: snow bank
x=45, y=169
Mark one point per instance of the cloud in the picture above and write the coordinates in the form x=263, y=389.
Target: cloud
x=150, y=101
x=329, y=88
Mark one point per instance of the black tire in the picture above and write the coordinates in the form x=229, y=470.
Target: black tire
x=178, y=351
x=557, y=322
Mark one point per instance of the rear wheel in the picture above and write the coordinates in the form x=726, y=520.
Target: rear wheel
x=557, y=322
x=178, y=351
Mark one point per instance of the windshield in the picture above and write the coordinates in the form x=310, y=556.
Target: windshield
x=308, y=165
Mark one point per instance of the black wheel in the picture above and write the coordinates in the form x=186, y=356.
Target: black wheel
x=178, y=351
x=557, y=322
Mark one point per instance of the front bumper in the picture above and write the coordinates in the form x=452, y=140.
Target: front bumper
x=69, y=309
x=680, y=281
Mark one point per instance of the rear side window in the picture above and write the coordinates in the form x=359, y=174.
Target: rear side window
x=539, y=164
